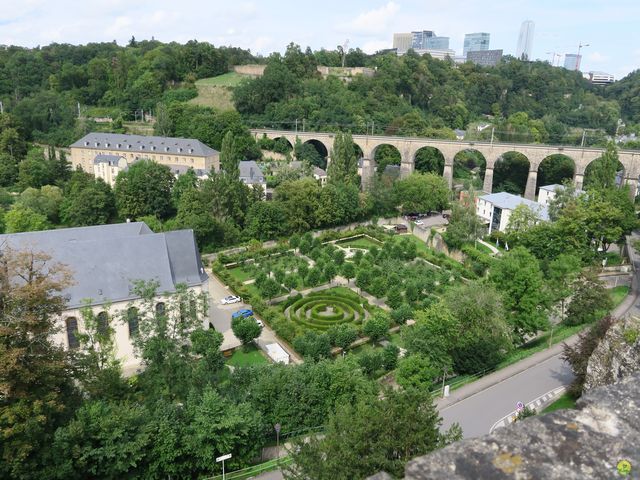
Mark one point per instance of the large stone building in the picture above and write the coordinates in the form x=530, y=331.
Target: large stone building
x=106, y=154
x=104, y=261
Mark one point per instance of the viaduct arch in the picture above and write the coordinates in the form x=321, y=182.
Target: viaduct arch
x=492, y=152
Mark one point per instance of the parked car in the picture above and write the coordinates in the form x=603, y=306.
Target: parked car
x=419, y=222
x=245, y=312
x=230, y=299
x=260, y=323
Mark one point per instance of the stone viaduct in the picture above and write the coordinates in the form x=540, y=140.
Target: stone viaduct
x=492, y=152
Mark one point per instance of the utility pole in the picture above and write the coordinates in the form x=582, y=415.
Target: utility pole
x=78, y=109
x=344, y=51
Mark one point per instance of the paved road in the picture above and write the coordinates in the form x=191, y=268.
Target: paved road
x=477, y=413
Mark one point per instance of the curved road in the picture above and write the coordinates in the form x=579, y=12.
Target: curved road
x=478, y=412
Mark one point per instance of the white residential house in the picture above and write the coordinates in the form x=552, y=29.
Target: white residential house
x=495, y=209
x=549, y=192
x=104, y=261
x=251, y=174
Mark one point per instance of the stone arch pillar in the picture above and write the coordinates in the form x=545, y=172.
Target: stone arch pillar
x=368, y=171
x=448, y=170
x=487, y=186
x=407, y=161
x=532, y=180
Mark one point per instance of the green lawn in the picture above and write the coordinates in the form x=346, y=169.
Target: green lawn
x=240, y=274
x=618, y=294
x=565, y=401
x=253, y=356
x=231, y=79
x=483, y=248
x=361, y=242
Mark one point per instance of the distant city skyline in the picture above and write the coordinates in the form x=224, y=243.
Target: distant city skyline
x=267, y=26
x=525, y=40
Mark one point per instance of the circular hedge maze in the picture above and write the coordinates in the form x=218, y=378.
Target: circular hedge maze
x=322, y=311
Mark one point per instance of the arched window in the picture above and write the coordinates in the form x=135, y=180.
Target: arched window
x=102, y=321
x=72, y=329
x=132, y=321
x=160, y=309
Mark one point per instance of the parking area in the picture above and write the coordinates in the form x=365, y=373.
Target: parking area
x=220, y=318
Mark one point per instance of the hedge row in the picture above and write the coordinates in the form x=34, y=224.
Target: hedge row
x=347, y=308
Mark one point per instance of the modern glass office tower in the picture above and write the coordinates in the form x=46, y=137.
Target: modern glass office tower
x=525, y=40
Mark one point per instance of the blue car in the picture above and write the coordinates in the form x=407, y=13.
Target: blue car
x=245, y=312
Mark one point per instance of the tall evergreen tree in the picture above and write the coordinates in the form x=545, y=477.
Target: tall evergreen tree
x=344, y=164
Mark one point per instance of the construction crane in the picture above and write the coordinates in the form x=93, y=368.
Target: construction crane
x=553, y=59
x=580, y=45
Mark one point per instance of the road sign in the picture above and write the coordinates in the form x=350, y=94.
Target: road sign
x=519, y=406
x=277, y=427
x=223, y=458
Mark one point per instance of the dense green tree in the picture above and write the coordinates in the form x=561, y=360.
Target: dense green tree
x=370, y=436
x=105, y=439
x=35, y=170
x=520, y=281
x=144, y=189
x=522, y=218
x=21, y=218
x=376, y=327
x=313, y=346
x=422, y=193
x=265, y=220
x=483, y=337
x=589, y=302
x=562, y=272
x=35, y=373
x=416, y=371
x=45, y=201
x=246, y=329
x=87, y=201
x=344, y=163
x=602, y=172
x=464, y=225
x=342, y=335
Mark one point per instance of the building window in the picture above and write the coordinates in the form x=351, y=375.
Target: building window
x=160, y=309
x=72, y=330
x=132, y=321
x=102, y=322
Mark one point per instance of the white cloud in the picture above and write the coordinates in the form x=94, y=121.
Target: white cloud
x=119, y=26
x=597, y=57
x=374, y=45
x=372, y=22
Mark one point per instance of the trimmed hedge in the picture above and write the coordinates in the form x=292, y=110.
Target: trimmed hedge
x=345, y=304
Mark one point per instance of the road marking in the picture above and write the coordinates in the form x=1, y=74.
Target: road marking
x=501, y=381
x=541, y=400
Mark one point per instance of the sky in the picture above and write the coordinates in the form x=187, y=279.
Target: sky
x=609, y=28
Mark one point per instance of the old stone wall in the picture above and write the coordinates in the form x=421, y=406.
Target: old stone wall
x=589, y=442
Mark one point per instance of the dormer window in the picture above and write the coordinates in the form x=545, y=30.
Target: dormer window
x=86, y=144
x=153, y=148
x=142, y=147
x=118, y=145
x=179, y=149
x=107, y=144
x=97, y=144
x=166, y=149
x=128, y=147
x=191, y=150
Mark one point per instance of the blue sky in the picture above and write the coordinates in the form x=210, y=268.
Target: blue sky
x=610, y=28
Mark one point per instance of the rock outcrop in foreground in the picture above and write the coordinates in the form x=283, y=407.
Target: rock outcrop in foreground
x=589, y=442
x=617, y=356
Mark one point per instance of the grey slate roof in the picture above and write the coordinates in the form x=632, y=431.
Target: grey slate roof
x=250, y=172
x=508, y=201
x=105, y=260
x=316, y=170
x=110, y=159
x=144, y=144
